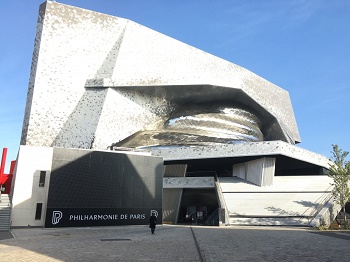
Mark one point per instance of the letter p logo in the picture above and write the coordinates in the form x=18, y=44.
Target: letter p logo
x=56, y=217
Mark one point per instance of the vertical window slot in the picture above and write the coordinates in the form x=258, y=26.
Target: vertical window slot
x=42, y=178
x=39, y=207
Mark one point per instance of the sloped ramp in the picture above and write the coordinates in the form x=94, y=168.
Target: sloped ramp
x=291, y=200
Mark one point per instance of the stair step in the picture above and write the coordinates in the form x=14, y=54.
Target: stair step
x=5, y=212
x=270, y=221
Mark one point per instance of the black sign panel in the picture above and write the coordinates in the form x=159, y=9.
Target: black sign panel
x=95, y=188
x=87, y=217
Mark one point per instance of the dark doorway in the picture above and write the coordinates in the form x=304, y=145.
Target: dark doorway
x=199, y=207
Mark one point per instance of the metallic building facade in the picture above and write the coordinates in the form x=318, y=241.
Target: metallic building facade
x=113, y=78
x=100, y=82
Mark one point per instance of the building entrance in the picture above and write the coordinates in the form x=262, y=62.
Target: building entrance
x=199, y=207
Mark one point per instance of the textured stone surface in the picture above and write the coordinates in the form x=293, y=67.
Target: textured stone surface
x=243, y=149
x=188, y=182
x=176, y=243
x=97, y=79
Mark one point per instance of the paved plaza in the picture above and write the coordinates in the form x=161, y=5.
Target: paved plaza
x=176, y=243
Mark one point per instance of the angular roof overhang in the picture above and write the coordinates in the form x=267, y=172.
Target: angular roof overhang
x=243, y=152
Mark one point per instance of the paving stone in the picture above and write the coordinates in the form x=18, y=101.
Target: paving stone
x=175, y=243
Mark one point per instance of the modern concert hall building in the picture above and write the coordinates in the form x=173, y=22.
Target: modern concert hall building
x=121, y=121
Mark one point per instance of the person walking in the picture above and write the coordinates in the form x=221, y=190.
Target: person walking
x=152, y=223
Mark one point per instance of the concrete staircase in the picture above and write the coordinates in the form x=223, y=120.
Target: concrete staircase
x=5, y=212
x=290, y=201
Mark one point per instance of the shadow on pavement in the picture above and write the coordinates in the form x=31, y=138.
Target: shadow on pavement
x=5, y=235
x=341, y=235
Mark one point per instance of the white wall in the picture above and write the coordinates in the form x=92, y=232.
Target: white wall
x=27, y=193
x=259, y=171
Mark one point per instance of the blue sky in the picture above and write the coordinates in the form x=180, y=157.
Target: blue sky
x=302, y=46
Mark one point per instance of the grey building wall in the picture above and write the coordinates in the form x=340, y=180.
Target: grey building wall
x=85, y=184
x=172, y=196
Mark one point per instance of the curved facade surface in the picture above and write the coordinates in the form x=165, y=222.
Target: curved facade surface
x=102, y=82
x=120, y=81
x=201, y=125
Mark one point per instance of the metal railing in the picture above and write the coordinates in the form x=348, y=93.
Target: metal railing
x=212, y=219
